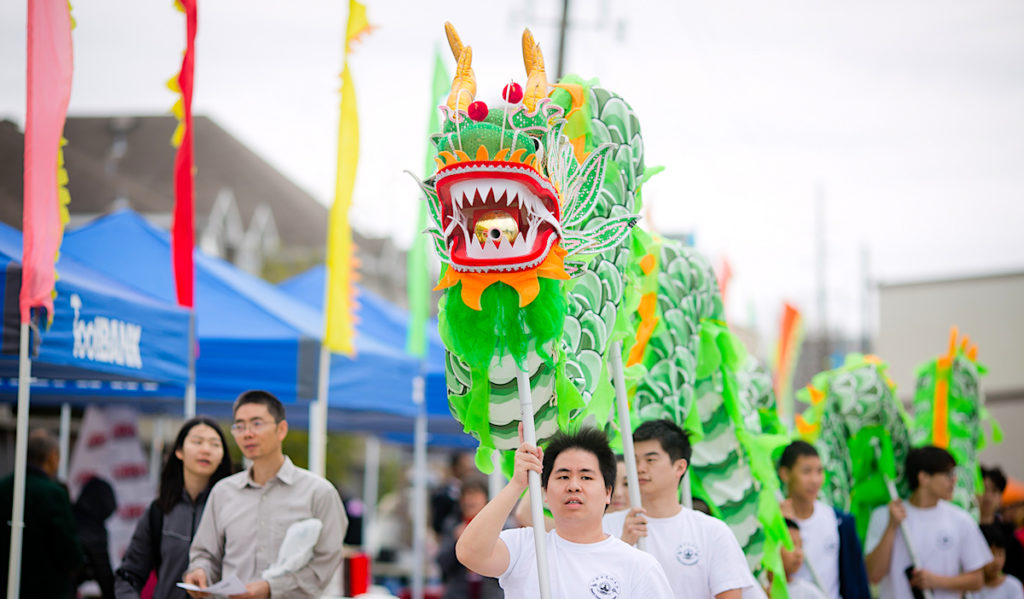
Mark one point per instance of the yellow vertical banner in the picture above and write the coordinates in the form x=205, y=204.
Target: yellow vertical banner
x=340, y=331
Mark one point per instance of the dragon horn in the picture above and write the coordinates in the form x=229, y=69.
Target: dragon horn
x=453, y=39
x=464, y=83
x=536, y=79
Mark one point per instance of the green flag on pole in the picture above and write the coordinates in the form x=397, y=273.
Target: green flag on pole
x=419, y=288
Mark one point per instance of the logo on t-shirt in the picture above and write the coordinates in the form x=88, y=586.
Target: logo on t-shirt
x=604, y=587
x=945, y=540
x=687, y=554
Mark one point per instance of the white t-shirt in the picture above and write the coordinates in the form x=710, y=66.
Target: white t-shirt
x=699, y=553
x=947, y=541
x=803, y=589
x=754, y=592
x=1010, y=588
x=608, y=569
x=820, y=534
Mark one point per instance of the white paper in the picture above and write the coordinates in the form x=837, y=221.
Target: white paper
x=228, y=586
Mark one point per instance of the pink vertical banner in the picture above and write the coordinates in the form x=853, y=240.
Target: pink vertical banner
x=182, y=226
x=50, y=63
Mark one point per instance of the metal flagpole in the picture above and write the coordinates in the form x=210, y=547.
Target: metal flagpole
x=626, y=431
x=190, y=389
x=318, y=416
x=419, y=521
x=536, y=501
x=20, y=457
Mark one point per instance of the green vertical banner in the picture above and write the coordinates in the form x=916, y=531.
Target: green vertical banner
x=418, y=287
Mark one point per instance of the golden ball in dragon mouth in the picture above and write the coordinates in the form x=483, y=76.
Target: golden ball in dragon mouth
x=493, y=225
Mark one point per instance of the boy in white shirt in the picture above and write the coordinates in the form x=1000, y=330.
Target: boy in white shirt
x=833, y=555
x=792, y=561
x=577, y=473
x=699, y=553
x=997, y=585
x=950, y=549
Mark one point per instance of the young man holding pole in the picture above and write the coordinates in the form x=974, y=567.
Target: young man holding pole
x=950, y=549
x=699, y=553
x=577, y=474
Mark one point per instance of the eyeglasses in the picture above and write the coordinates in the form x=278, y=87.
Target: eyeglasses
x=256, y=426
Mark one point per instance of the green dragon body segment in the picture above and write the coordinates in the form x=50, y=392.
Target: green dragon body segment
x=860, y=431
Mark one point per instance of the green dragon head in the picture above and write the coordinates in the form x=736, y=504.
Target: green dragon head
x=949, y=412
x=509, y=204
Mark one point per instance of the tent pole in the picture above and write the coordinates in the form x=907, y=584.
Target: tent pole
x=156, y=451
x=318, y=417
x=65, y=441
x=626, y=431
x=419, y=524
x=536, y=501
x=371, y=484
x=20, y=457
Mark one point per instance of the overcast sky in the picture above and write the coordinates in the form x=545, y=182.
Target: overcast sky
x=905, y=117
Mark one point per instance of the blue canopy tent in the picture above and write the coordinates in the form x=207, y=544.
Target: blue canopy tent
x=108, y=342
x=251, y=334
x=381, y=320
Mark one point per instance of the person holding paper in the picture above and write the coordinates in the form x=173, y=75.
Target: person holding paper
x=249, y=514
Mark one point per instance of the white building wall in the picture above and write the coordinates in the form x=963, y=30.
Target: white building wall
x=914, y=325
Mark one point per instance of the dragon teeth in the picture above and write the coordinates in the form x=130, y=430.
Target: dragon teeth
x=468, y=193
x=488, y=250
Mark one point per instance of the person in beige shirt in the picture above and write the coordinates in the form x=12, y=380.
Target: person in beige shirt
x=248, y=514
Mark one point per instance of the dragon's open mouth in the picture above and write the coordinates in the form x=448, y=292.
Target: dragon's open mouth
x=497, y=218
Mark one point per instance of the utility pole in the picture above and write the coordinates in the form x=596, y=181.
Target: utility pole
x=596, y=17
x=821, y=274
x=562, y=30
x=865, y=299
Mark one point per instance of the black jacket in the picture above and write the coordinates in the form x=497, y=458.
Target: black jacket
x=50, y=553
x=95, y=504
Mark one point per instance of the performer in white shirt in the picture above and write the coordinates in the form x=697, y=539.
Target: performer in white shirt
x=833, y=557
x=950, y=549
x=700, y=554
x=998, y=585
x=577, y=474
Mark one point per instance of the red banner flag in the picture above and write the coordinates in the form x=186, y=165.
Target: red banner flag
x=50, y=63
x=182, y=227
x=787, y=354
